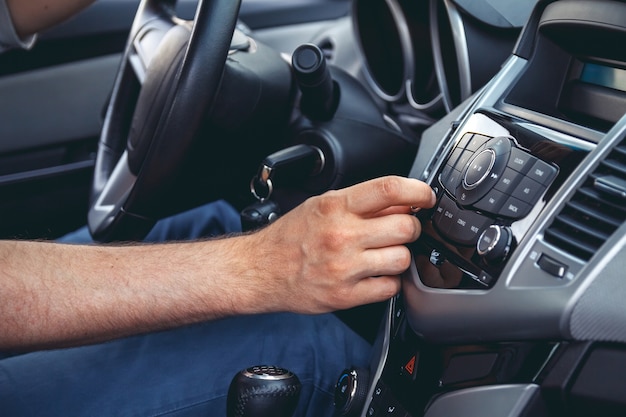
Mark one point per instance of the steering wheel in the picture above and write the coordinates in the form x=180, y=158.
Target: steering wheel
x=167, y=82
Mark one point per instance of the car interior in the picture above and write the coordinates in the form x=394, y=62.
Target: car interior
x=513, y=111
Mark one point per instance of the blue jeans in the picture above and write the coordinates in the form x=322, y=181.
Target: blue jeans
x=213, y=219
x=184, y=371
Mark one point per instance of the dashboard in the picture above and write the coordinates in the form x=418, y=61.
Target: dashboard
x=513, y=304
x=512, y=110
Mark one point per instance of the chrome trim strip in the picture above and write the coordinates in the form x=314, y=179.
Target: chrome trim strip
x=460, y=46
x=512, y=401
x=434, y=103
x=404, y=34
x=560, y=138
x=382, y=356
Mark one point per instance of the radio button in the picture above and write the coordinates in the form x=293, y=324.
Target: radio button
x=508, y=181
x=461, y=163
x=521, y=161
x=454, y=157
x=467, y=227
x=450, y=178
x=492, y=202
x=445, y=214
x=542, y=172
x=528, y=190
x=501, y=145
x=476, y=142
x=464, y=141
x=514, y=208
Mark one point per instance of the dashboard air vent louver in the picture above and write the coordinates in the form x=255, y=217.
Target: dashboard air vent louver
x=595, y=211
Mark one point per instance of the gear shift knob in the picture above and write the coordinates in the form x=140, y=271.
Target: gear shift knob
x=263, y=391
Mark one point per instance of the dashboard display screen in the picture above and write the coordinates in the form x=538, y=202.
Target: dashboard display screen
x=604, y=76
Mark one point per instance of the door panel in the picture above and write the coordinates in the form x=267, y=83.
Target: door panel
x=56, y=104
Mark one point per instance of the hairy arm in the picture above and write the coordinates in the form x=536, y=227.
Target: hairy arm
x=58, y=294
x=31, y=16
x=335, y=251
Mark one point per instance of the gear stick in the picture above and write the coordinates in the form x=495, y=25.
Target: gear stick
x=263, y=391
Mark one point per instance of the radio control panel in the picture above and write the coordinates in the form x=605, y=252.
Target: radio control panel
x=490, y=187
x=486, y=178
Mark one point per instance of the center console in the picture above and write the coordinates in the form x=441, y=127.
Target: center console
x=513, y=304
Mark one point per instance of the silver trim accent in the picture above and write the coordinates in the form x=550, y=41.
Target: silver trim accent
x=267, y=376
x=392, y=123
x=113, y=196
x=322, y=160
x=268, y=183
x=435, y=102
x=461, y=50
x=560, y=138
x=382, y=357
x=492, y=161
x=404, y=35
x=353, y=387
x=491, y=245
x=496, y=400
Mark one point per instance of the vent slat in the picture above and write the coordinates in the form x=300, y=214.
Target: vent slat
x=593, y=214
x=584, y=228
x=620, y=150
x=598, y=215
x=616, y=166
x=600, y=200
x=575, y=247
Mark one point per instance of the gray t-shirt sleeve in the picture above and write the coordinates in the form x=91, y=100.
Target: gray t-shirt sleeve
x=8, y=37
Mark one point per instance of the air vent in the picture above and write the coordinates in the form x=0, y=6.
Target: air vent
x=595, y=211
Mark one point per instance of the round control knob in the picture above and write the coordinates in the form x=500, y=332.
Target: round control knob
x=494, y=243
x=479, y=168
x=351, y=391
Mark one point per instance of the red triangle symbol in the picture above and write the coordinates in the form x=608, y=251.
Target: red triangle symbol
x=410, y=365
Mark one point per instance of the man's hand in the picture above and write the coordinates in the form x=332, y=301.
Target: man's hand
x=343, y=248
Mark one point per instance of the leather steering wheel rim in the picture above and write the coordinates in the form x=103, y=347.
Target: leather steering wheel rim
x=167, y=82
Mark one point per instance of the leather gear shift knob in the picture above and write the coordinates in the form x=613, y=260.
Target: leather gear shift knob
x=263, y=391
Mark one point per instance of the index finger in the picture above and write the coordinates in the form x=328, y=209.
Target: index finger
x=381, y=193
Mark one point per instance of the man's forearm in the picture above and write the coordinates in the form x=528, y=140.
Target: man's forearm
x=57, y=295
x=31, y=16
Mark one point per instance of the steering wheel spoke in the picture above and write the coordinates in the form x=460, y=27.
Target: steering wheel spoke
x=145, y=45
x=113, y=195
